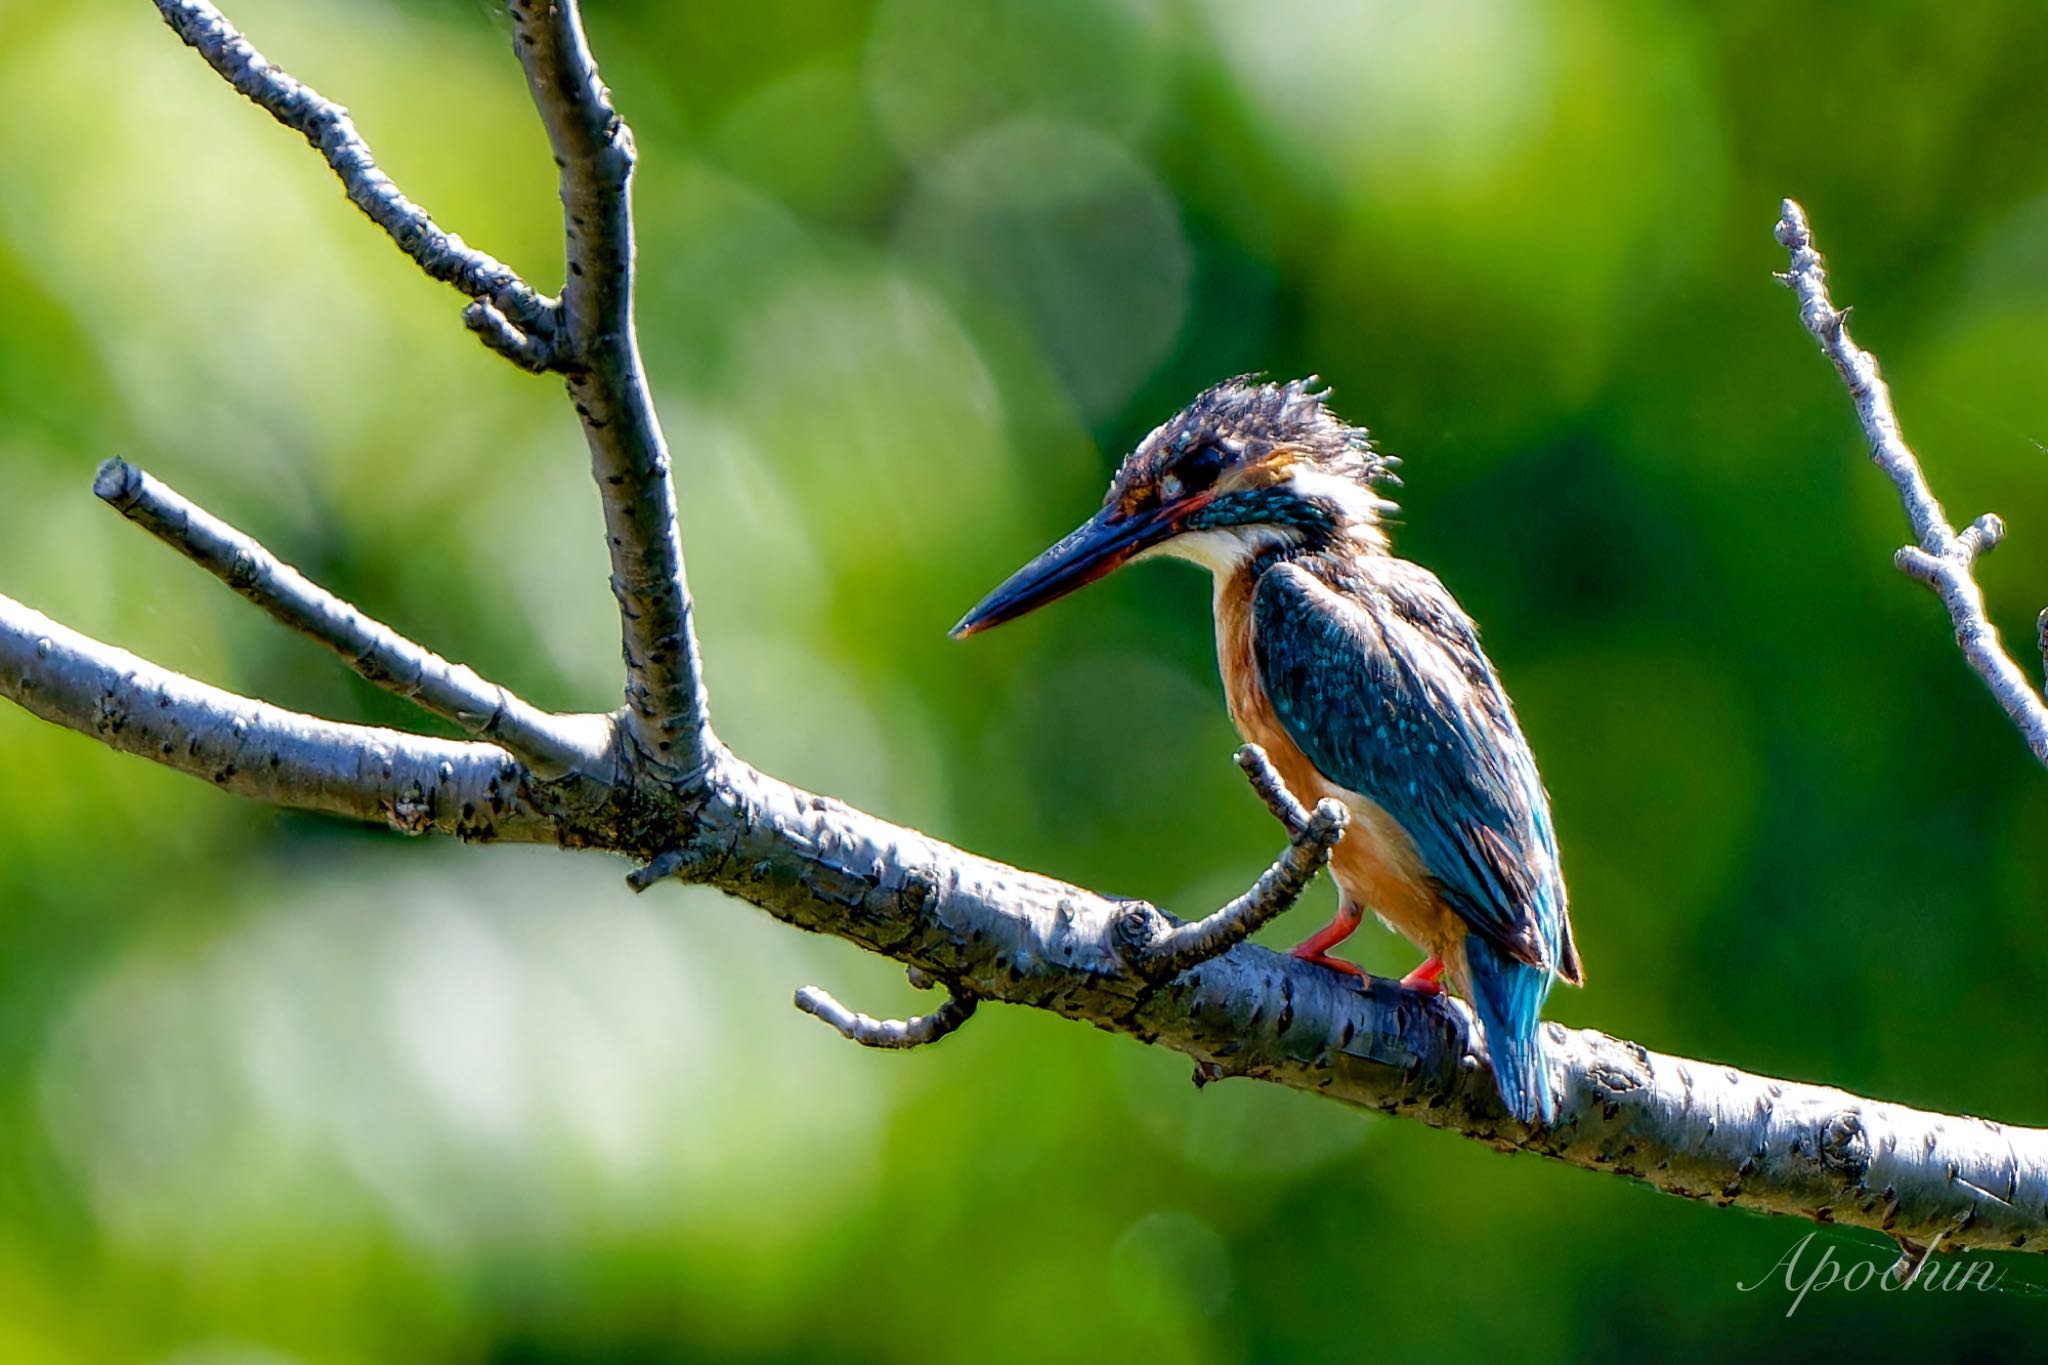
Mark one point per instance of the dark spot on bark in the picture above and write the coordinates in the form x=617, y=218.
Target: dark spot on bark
x=1845, y=1147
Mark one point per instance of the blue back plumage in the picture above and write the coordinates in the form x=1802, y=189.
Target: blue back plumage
x=1377, y=675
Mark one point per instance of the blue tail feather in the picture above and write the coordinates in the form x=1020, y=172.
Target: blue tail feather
x=1508, y=996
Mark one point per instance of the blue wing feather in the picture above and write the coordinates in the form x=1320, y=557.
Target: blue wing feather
x=1385, y=689
x=1388, y=693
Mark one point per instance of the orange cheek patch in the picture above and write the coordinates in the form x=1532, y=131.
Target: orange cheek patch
x=1272, y=469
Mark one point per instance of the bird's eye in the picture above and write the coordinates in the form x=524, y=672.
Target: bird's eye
x=1198, y=468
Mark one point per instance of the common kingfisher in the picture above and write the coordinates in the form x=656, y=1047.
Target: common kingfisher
x=1363, y=680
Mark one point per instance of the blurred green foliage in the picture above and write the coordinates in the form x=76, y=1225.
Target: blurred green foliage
x=916, y=272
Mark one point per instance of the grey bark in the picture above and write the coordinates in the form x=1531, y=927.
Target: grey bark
x=552, y=746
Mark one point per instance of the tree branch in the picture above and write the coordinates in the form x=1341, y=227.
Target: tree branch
x=327, y=126
x=671, y=798
x=869, y=1031
x=551, y=745
x=533, y=352
x=588, y=337
x=412, y=784
x=1162, y=952
x=1697, y=1129
x=1943, y=559
x=1265, y=780
x=666, y=713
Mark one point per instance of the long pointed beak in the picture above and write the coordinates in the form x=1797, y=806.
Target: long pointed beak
x=1091, y=550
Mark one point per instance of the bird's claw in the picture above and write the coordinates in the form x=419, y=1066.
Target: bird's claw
x=1338, y=965
x=1427, y=979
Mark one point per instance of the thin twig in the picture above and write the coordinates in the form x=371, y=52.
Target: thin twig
x=533, y=352
x=1943, y=559
x=869, y=1031
x=327, y=126
x=551, y=745
x=1266, y=781
x=2041, y=638
x=1914, y=1257
x=599, y=354
x=1173, y=951
x=669, y=863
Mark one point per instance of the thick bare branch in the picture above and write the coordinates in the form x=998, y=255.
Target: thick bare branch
x=327, y=126
x=414, y=784
x=869, y=1031
x=1943, y=559
x=550, y=745
x=1696, y=1129
x=599, y=353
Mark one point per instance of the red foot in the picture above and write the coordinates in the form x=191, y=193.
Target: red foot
x=1316, y=947
x=1427, y=979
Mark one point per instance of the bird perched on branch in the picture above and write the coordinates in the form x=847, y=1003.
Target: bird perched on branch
x=1363, y=680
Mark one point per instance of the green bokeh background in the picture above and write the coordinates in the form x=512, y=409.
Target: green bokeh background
x=915, y=273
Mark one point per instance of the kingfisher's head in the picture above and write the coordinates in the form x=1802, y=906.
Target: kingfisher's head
x=1244, y=469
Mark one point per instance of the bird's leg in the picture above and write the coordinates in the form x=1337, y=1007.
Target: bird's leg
x=1316, y=947
x=1428, y=978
